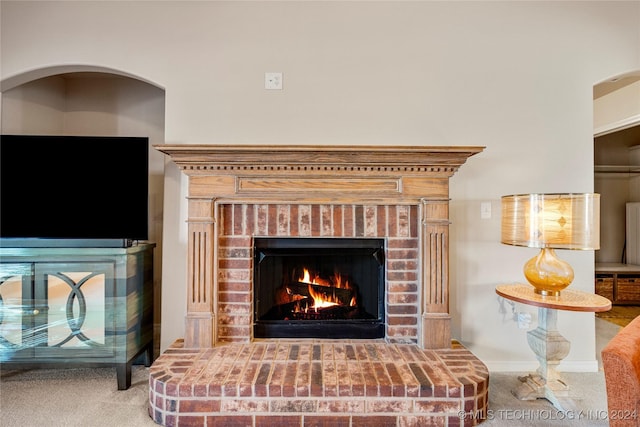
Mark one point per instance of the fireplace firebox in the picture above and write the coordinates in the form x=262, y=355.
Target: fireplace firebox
x=319, y=287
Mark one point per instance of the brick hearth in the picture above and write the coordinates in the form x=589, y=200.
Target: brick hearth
x=348, y=383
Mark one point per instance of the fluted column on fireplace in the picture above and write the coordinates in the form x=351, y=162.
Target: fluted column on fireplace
x=436, y=330
x=200, y=326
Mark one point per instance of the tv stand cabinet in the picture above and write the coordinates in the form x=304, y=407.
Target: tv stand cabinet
x=77, y=307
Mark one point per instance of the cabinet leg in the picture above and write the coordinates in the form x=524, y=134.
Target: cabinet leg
x=148, y=355
x=123, y=372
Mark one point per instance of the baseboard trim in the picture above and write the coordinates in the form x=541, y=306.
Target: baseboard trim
x=566, y=366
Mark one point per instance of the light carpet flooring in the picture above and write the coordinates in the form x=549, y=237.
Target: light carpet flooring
x=89, y=397
x=621, y=315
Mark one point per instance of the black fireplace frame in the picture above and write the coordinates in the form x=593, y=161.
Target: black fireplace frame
x=264, y=247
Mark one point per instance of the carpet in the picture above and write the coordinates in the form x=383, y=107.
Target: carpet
x=88, y=397
x=620, y=315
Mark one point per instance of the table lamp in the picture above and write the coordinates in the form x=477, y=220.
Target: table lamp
x=549, y=222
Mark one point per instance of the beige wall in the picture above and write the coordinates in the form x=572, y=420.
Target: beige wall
x=516, y=77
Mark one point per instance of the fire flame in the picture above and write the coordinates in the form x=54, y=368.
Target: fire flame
x=321, y=299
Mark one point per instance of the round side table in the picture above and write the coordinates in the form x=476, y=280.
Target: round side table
x=549, y=346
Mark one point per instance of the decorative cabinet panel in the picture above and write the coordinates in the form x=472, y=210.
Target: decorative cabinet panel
x=77, y=306
x=618, y=282
x=17, y=311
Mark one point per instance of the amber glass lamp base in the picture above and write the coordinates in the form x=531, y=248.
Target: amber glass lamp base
x=547, y=273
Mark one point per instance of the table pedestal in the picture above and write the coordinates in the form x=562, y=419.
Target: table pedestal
x=550, y=347
x=546, y=342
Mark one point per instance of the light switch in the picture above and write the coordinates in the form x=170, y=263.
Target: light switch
x=485, y=210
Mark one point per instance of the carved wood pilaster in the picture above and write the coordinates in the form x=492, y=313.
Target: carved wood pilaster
x=201, y=289
x=434, y=236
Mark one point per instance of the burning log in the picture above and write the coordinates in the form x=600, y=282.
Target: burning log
x=302, y=288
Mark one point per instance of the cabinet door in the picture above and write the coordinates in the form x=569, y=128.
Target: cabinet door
x=75, y=306
x=17, y=313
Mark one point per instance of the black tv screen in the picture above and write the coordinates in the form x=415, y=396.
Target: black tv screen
x=74, y=187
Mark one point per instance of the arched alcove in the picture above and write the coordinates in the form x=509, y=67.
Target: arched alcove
x=96, y=101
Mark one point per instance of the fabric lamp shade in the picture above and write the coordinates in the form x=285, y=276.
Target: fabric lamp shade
x=549, y=222
x=559, y=221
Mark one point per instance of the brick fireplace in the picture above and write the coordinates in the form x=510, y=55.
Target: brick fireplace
x=239, y=193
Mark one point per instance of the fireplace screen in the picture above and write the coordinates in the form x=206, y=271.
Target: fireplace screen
x=318, y=288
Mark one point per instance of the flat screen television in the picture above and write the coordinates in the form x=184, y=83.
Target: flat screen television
x=73, y=190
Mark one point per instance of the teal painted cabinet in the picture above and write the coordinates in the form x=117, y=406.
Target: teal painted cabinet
x=70, y=307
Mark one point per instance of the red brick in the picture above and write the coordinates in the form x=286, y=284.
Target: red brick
x=244, y=406
x=398, y=320
x=226, y=212
x=370, y=221
x=381, y=221
x=326, y=220
x=237, y=245
x=294, y=405
x=337, y=221
x=238, y=219
x=373, y=421
x=409, y=245
x=185, y=390
x=262, y=220
x=358, y=217
x=235, y=263
x=283, y=219
x=389, y=405
x=426, y=421
x=326, y=421
x=403, y=286
x=249, y=223
x=272, y=224
x=189, y=421
x=304, y=216
x=402, y=298
x=159, y=401
x=341, y=405
x=230, y=421
x=315, y=220
x=437, y=406
x=279, y=421
x=402, y=276
x=348, y=221
x=414, y=221
x=231, y=286
x=402, y=309
x=187, y=405
x=294, y=221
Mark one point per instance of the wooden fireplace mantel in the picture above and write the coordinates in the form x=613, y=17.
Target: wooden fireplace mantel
x=197, y=159
x=288, y=174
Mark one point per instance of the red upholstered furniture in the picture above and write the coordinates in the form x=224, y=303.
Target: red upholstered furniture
x=621, y=363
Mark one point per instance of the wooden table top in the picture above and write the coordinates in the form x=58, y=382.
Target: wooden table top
x=569, y=299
